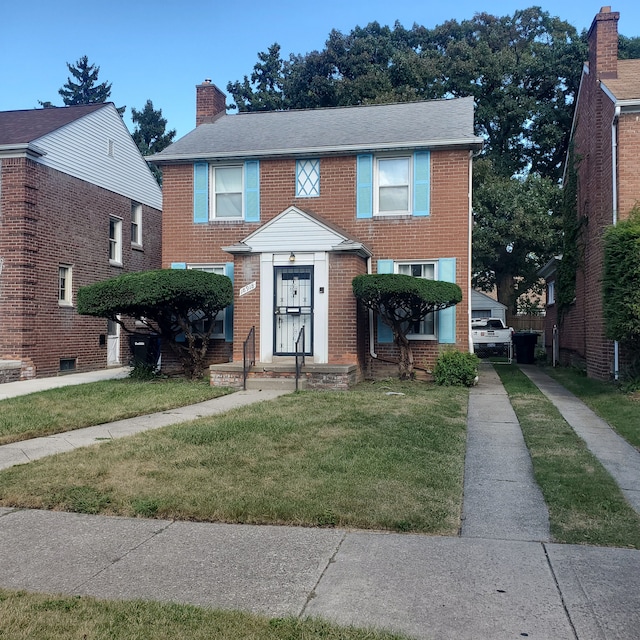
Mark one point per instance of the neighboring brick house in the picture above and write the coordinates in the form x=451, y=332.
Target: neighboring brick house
x=606, y=139
x=294, y=204
x=78, y=205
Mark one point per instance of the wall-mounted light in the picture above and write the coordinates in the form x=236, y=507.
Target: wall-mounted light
x=292, y=257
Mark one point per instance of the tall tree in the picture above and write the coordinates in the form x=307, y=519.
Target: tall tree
x=516, y=231
x=150, y=133
x=84, y=87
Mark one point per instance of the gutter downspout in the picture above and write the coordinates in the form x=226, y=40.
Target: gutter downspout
x=614, y=189
x=469, y=305
x=372, y=352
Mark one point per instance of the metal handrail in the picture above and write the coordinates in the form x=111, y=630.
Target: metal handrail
x=248, y=355
x=299, y=355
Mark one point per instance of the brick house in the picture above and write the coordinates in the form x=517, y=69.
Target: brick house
x=78, y=204
x=606, y=139
x=294, y=204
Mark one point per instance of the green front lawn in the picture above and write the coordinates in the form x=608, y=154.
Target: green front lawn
x=358, y=459
x=26, y=616
x=57, y=410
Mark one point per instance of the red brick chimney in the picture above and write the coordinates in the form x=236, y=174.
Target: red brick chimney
x=603, y=44
x=210, y=102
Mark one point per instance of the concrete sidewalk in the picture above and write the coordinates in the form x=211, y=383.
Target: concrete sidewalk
x=24, y=387
x=501, y=579
x=426, y=587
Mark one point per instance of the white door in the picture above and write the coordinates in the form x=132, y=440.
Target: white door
x=113, y=343
x=293, y=309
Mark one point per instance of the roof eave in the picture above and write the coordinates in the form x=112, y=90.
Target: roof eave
x=21, y=150
x=474, y=143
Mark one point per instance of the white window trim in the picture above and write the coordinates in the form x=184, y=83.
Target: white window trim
x=298, y=169
x=116, y=242
x=212, y=192
x=376, y=186
x=219, y=269
x=66, y=299
x=551, y=292
x=136, y=219
x=434, y=263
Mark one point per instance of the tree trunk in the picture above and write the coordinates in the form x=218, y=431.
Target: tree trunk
x=405, y=363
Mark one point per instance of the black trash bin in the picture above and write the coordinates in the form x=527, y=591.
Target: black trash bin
x=145, y=349
x=525, y=344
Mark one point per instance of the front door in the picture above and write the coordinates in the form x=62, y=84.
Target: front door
x=293, y=309
x=113, y=343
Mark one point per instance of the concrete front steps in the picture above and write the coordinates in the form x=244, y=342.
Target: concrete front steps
x=282, y=376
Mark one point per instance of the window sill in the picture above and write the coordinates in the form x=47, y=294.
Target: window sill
x=421, y=337
x=65, y=305
x=137, y=247
x=115, y=263
x=382, y=216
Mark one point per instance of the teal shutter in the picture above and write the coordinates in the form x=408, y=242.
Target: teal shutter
x=252, y=191
x=178, y=265
x=200, y=192
x=385, y=335
x=364, y=186
x=447, y=317
x=228, y=312
x=421, y=183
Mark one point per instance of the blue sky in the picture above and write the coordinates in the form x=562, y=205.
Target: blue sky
x=160, y=50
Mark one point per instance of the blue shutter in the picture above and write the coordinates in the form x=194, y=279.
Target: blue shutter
x=421, y=183
x=252, y=191
x=385, y=335
x=447, y=317
x=200, y=192
x=178, y=265
x=228, y=312
x=364, y=187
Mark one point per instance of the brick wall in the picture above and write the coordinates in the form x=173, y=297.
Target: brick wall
x=48, y=218
x=442, y=234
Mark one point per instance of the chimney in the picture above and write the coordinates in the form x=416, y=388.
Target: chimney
x=210, y=102
x=603, y=44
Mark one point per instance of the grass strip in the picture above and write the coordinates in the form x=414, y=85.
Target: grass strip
x=620, y=410
x=25, y=616
x=585, y=504
x=56, y=410
x=361, y=459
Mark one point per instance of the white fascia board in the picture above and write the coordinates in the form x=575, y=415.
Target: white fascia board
x=462, y=143
x=21, y=150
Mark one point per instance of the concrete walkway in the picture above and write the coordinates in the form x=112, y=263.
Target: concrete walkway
x=617, y=456
x=501, y=579
x=501, y=498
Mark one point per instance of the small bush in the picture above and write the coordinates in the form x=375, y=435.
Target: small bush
x=456, y=369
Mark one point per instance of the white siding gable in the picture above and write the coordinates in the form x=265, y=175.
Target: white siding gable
x=99, y=149
x=294, y=230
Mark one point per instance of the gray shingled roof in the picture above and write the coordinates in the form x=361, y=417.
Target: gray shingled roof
x=21, y=127
x=429, y=124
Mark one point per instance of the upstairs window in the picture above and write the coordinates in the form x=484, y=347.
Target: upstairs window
x=226, y=193
x=115, y=241
x=227, y=189
x=307, y=178
x=397, y=185
x=551, y=292
x=393, y=193
x=136, y=224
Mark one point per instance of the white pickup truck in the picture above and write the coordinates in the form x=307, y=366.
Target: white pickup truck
x=490, y=336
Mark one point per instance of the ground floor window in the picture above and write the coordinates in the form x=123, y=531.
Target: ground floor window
x=425, y=329
x=219, y=320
